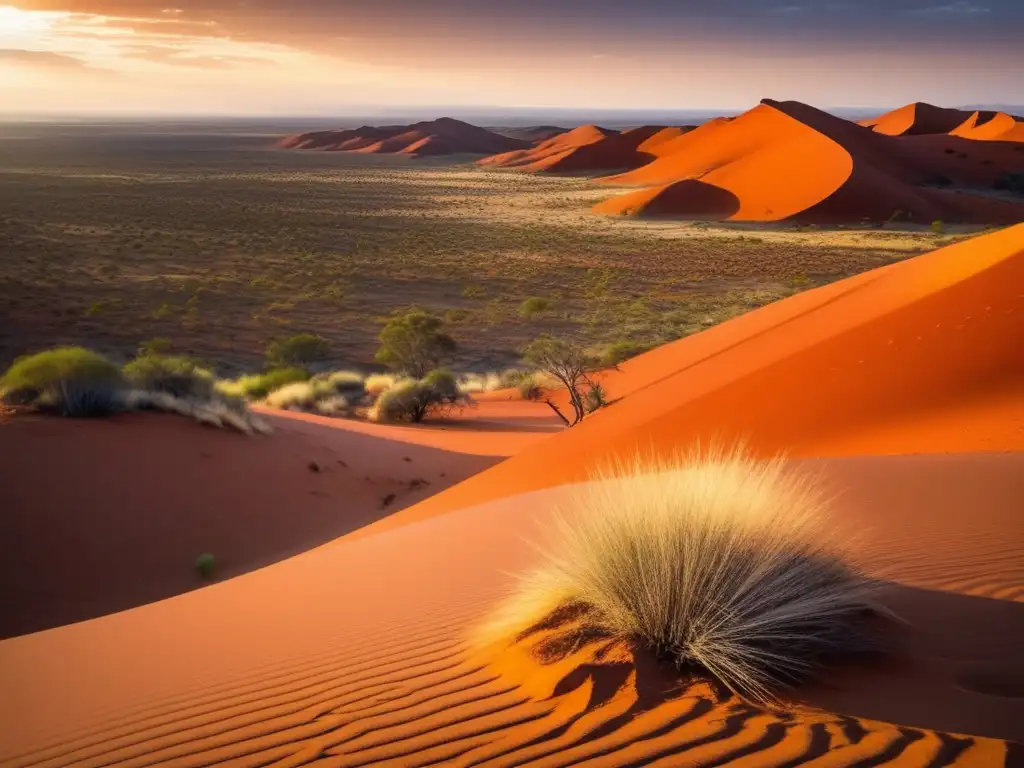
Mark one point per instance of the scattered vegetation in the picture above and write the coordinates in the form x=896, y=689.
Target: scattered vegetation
x=299, y=351
x=534, y=306
x=717, y=562
x=71, y=381
x=175, y=375
x=620, y=351
x=938, y=227
x=414, y=343
x=412, y=400
x=260, y=385
x=570, y=365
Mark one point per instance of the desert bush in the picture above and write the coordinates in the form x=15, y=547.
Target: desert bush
x=511, y=377
x=378, y=384
x=938, y=227
x=301, y=395
x=479, y=382
x=70, y=380
x=413, y=400
x=205, y=565
x=596, y=397
x=535, y=305
x=717, y=562
x=299, y=351
x=620, y=351
x=414, y=343
x=216, y=411
x=348, y=384
x=530, y=387
x=156, y=346
x=568, y=364
x=258, y=386
x=173, y=374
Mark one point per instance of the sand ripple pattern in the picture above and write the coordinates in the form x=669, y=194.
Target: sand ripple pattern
x=421, y=699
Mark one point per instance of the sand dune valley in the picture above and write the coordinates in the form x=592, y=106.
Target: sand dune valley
x=547, y=445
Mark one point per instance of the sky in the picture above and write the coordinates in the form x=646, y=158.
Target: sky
x=337, y=57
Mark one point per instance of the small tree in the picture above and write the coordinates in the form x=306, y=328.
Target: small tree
x=569, y=364
x=413, y=400
x=415, y=343
x=300, y=351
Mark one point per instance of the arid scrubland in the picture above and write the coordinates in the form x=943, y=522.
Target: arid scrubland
x=220, y=244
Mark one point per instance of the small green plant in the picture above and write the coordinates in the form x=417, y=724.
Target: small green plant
x=473, y=292
x=299, y=351
x=157, y=346
x=596, y=398
x=534, y=306
x=414, y=343
x=175, y=375
x=69, y=380
x=620, y=351
x=412, y=400
x=205, y=566
x=568, y=364
x=938, y=227
x=258, y=386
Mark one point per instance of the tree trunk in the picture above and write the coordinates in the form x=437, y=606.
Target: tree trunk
x=558, y=413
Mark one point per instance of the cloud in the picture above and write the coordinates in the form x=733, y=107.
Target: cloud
x=957, y=8
x=786, y=9
x=47, y=59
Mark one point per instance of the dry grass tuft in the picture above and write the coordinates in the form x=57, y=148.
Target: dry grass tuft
x=717, y=562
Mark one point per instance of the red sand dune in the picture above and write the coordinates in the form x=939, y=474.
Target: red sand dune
x=444, y=136
x=787, y=160
x=917, y=118
x=533, y=133
x=588, y=149
x=141, y=496
x=991, y=126
x=355, y=653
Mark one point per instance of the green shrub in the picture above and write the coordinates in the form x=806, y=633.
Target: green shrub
x=175, y=375
x=620, y=351
x=473, y=292
x=258, y=386
x=530, y=388
x=71, y=380
x=204, y=565
x=535, y=305
x=298, y=351
x=596, y=398
x=512, y=377
x=378, y=384
x=414, y=343
x=157, y=346
x=938, y=227
x=412, y=400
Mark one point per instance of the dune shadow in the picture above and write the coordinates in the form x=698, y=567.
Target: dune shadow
x=693, y=199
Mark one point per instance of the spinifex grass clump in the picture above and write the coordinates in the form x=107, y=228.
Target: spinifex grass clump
x=717, y=563
x=205, y=564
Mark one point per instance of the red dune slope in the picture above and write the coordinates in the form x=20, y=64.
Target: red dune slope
x=589, y=149
x=917, y=118
x=355, y=654
x=917, y=357
x=786, y=160
x=141, y=496
x=436, y=137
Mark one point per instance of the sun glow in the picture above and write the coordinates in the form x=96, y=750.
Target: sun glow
x=19, y=24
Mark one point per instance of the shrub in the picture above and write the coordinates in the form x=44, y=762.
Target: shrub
x=412, y=400
x=938, y=227
x=70, y=380
x=378, y=384
x=479, y=382
x=530, y=388
x=157, y=346
x=512, y=377
x=620, y=351
x=215, y=412
x=566, y=363
x=258, y=386
x=298, y=351
x=473, y=292
x=596, y=398
x=414, y=343
x=175, y=375
x=301, y=395
x=717, y=562
x=204, y=565
x=534, y=306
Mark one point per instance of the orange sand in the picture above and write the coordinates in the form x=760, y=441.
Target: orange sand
x=141, y=496
x=444, y=136
x=589, y=149
x=786, y=160
x=917, y=118
x=997, y=126
x=355, y=652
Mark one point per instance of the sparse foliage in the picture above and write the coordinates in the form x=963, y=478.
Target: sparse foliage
x=717, y=562
x=412, y=400
x=299, y=351
x=567, y=363
x=414, y=343
x=176, y=375
x=70, y=380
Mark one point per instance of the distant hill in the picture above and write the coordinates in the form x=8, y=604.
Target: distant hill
x=531, y=133
x=445, y=136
